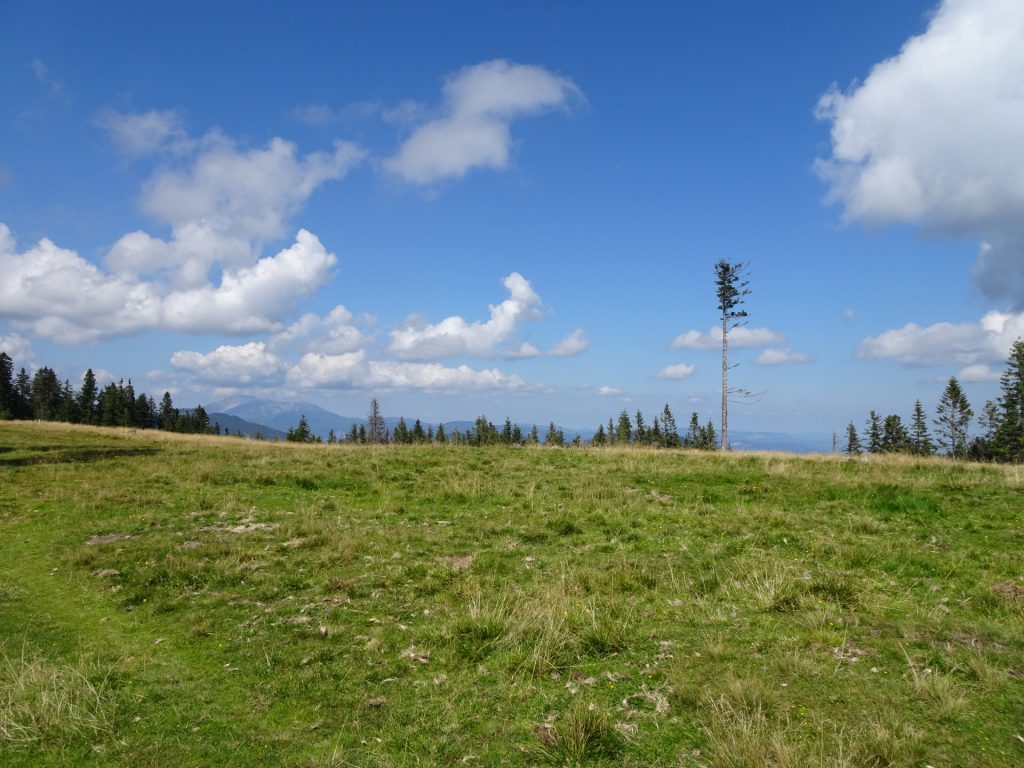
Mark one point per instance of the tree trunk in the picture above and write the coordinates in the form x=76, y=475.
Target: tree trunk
x=725, y=381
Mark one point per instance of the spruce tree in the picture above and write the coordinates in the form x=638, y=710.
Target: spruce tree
x=6, y=386
x=440, y=435
x=22, y=396
x=853, y=446
x=376, y=430
x=874, y=433
x=87, y=398
x=517, y=435
x=534, y=437
x=920, y=440
x=895, y=438
x=1008, y=437
x=670, y=433
x=624, y=433
x=641, y=429
x=953, y=417
x=599, y=436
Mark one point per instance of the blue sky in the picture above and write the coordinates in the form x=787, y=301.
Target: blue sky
x=515, y=209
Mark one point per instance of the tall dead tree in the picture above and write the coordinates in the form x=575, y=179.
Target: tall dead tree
x=731, y=290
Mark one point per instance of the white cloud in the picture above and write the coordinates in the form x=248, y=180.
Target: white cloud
x=849, y=315
x=18, y=348
x=676, y=372
x=353, y=370
x=222, y=204
x=524, y=351
x=784, y=356
x=453, y=336
x=575, y=343
x=606, y=391
x=738, y=337
x=932, y=137
x=473, y=132
x=56, y=294
x=942, y=344
x=253, y=299
x=231, y=365
x=143, y=133
x=333, y=334
x=979, y=372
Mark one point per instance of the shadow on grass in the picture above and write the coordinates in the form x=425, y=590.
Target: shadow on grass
x=51, y=454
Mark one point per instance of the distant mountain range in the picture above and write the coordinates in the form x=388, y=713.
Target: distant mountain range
x=273, y=418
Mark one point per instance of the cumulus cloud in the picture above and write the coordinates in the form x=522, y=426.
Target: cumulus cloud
x=783, y=356
x=231, y=365
x=979, y=372
x=56, y=294
x=333, y=334
x=524, y=351
x=943, y=344
x=606, y=391
x=136, y=134
x=453, y=336
x=676, y=372
x=932, y=137
x=222, y=204
x=473, y=131
x=575, y=343
x=738, y=337
x=18, y=348
x=353, y=370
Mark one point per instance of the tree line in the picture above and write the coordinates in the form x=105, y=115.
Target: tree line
x=44, y=397
x=1001, y=422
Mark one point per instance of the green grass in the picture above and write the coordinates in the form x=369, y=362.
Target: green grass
x=171, y=600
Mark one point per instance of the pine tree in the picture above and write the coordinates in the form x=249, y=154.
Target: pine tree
x=707, y=438
x=376, y=430
x=167, y=418
x=554, y=436
x=534, y=437
x=954, y=415
x=731, y=290
x=920, y=440
x=87, y=398
x=894, y=435
x=599, y=438
x=874, y=433
x=401, y=433
x=1008, y=437
x=46, y=395
x=300, y=433
x=641, y=429
x=517, y=435
x=624, y=432
x=7, y=408
x=670, y=433
x=693, y=432
x=22, y=396
x=853, y=447
x=611, y=432
x=506, y=432
x=440, y=436
x=417, y=434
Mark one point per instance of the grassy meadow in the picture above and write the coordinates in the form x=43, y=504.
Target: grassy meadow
x=173, y=600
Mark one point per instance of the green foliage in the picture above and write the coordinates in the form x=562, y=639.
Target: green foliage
x=301, y=433
x=953, y=415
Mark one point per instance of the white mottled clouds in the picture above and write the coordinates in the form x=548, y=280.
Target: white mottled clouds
x=576, y=343
x=738, y=337
x=54, y=293
x=975, y=346
x=243, y=364
x=136, y=134
x=473, y=130
x=676, y=372
x=454, y=337
x=932, y=137
x=781, y=356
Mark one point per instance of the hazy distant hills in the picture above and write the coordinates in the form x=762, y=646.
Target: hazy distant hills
x=273, y=418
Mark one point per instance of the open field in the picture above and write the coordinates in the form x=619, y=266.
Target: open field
x=170, y=600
